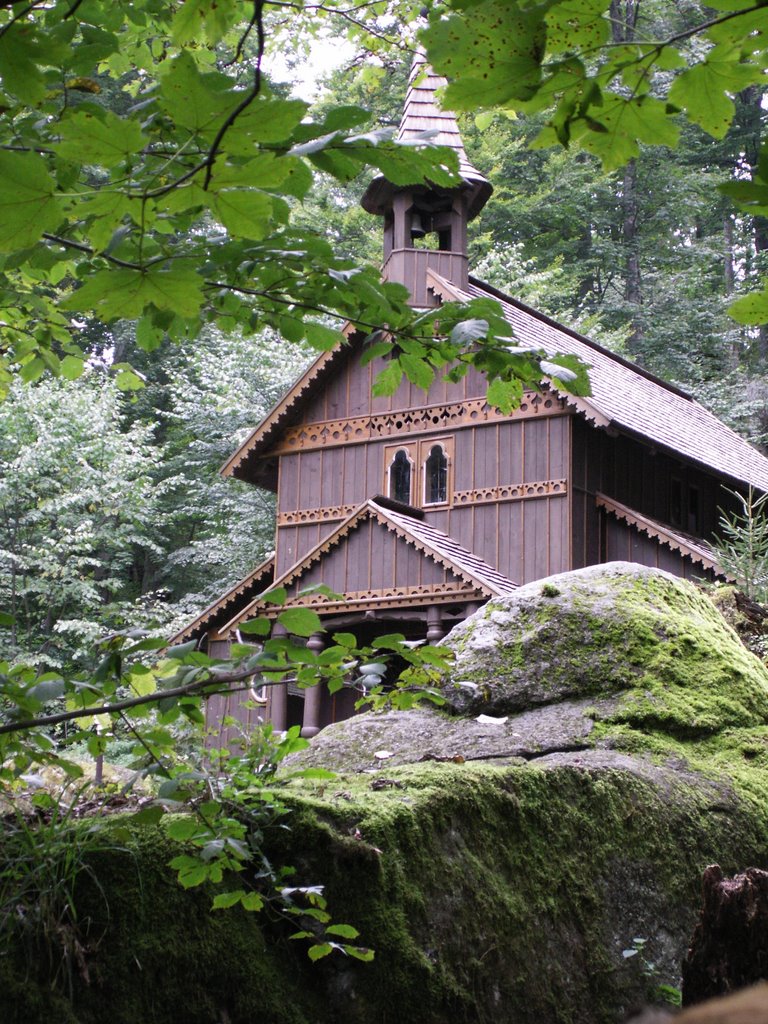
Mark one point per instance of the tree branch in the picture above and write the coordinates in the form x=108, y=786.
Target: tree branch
x=223, y=684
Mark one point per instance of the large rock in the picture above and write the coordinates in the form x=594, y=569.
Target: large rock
x=605, y=732
x=603, y=630
x=501, y=869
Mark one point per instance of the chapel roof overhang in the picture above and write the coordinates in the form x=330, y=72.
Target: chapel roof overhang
x=421, y=113
x=694, y=548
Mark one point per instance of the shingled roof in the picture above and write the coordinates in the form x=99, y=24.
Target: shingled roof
x=628, y=398
x=421, y=113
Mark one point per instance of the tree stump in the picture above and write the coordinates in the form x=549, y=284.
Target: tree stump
x=729, y=949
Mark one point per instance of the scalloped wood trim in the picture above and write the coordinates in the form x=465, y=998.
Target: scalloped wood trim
x=394, y=597
x=698, y=552
x=471, y=412
x=328, y=514
x=511, y=492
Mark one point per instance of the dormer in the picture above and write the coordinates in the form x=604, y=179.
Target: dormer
x=425, y=227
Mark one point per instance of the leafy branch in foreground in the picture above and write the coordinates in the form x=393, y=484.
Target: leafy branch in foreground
x=606, y=91
x=150, y=171
x=232, y=799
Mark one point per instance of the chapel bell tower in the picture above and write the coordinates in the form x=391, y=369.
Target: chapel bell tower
x=425, y=227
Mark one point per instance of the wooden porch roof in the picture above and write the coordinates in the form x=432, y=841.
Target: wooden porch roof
x=695, y=549
x=476, y=574
x=219, y=611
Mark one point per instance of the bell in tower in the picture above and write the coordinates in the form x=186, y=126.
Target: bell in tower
x=425, y=227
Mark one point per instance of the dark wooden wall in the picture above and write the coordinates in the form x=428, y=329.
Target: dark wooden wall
x=624, y=543
x=372, y=557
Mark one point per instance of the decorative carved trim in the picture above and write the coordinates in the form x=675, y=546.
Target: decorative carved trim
x=693, y=548
x=511, y=492
x=328, y=514
x=395, y=597
x=471, y=412
x=479, y=496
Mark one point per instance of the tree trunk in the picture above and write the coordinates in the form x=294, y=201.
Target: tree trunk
x=729, y=949
x=752, y=116
x=623, y=22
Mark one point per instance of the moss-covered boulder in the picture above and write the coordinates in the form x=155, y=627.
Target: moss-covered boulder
x=603, y=630
x=617, y=729
x=501, y=854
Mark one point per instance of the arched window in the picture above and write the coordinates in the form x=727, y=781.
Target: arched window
x=400, y=477
x=436, y=476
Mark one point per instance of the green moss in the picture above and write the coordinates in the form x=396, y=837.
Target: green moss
x=154, y=953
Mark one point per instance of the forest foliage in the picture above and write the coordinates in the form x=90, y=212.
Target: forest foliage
x=178, y=232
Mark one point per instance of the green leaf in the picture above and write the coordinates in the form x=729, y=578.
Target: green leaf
x=703, y=89
x=417, y=370
x=19, y=65
x=225, y=900
x=491, y=54
x=28, y=206
x=321, y=337
x=388, y=380
x=266, y=120
x=751, y=309
x=103, y=138
x=148, y=335
x=300, y=621
x=345, y=931
x=319, y=950
x=72, y=367
x=181, y=650
x=128, y=380
x=252, y=901
x=244, y=212
x=182, y=829
x=125, y=294
x=149, y=815
x=256, y=627
x=504, y=395
x=279, y=595
x=208, y=19
x=577, y=24
x=467, y=331
x=193, y=100
x=7, y=621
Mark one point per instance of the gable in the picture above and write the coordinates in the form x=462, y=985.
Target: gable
x=380, y=558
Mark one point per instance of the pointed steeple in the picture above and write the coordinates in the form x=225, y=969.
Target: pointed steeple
x=413, y=212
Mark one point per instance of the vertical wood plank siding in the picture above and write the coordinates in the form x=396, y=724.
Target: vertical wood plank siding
x=636, y=476
x=623, y=543
x=486, y=456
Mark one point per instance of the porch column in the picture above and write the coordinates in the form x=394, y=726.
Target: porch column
x=278, y=693
x=435, y=630
x=313, y=695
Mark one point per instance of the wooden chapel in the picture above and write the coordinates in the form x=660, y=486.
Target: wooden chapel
x=419, y=508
